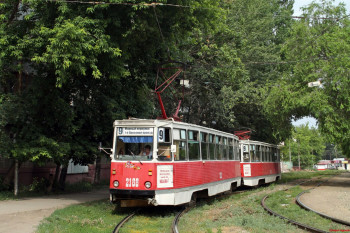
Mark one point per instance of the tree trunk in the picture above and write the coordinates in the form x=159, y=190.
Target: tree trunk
x=54, y=180
x=97, y=169
x=63, y=175
x=16, y=178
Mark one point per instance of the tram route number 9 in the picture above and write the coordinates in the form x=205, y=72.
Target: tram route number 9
x=161, y=136
x=132, y=182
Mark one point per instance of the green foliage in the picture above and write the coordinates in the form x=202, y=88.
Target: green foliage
x=307, y=143
x=68, y=70
x=228, y=89
x=320, y=50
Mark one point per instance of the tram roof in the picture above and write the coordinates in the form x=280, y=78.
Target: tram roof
x=135, y=122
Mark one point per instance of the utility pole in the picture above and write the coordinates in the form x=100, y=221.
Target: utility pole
x=290, y=153
x=298, y=155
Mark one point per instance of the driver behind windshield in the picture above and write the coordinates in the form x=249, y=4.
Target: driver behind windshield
x=147, y=152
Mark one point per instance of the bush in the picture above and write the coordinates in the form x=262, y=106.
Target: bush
x=3, y=187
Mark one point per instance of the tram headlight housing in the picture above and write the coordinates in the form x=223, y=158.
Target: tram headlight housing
x=148, y=184
x=115, y=183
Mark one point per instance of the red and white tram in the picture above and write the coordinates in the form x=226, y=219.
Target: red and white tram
x=184, y=161
x=260, y=162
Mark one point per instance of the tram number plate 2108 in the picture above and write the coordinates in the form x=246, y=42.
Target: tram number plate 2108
x=132, y=182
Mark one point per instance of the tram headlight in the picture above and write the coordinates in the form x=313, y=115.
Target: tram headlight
x=148, y=184
x=116, y=183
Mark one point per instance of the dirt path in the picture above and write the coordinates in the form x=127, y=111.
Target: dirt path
x=331, y=198
x=25, y=215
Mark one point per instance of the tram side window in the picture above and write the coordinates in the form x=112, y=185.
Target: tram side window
x=271, y=154
x=240, y=154
x=193, y=145
x=258, y=153
x=164, y=144
x=212, y=148
x=220, y=148
x=278, y=155
x=204, y=146
x=263, y=156
x=226, y=149
x=253, y=153
x=275, y=159
x=246, y=157
x=268, y=154
x=181, y=144
x=237, y=150
x=231, y=154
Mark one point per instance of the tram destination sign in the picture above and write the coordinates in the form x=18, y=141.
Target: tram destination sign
x=131, y=131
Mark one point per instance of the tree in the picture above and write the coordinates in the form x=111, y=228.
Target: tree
x=228, y=81
x=68, y=70
x=319, y=49
x=307, y=145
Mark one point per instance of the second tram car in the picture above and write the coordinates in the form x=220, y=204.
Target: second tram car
x=260, y=162
x=166, y=162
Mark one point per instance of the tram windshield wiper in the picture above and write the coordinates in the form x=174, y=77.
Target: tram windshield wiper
x=133, y=155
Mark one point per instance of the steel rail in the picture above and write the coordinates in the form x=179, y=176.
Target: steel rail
x=124, y=220
x=298, y=224
x=177, y=218
x=300, y=203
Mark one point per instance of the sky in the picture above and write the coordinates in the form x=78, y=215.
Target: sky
x=312, y=122
x=302, y=3
x=297, y=12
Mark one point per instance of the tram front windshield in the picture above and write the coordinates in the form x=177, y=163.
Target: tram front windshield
x=134, y=148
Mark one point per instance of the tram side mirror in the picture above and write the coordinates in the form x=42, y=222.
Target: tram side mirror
x=173, y=148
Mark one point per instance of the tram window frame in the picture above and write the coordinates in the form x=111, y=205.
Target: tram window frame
x=220, y=147
x=252, y=153
x=237, y=150
x=263, y=153
x=180, y=141
x=204, y=145
x=165, y=152
x=212, y=147
x=246, y=154
x=225, y=148
x=258, y=152
x=275, y=154
x=192, y=142
x=231, y=150
x=240, y=153
x=271, y=155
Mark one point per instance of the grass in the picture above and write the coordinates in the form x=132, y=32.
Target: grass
x=237, y=213
x=295, y=175
x=101, y=216
x=93, y=217
x=240, y=212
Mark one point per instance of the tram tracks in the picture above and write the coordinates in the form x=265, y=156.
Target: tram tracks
x=300, y=203
x=174, y=226
x=179, y=214
x=124, y=220
x=296, y=223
